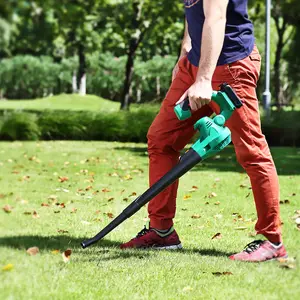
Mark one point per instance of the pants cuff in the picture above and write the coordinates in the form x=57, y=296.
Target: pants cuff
x=161, y=224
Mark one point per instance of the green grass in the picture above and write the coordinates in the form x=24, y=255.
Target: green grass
x=63, y=102
x=103, y=271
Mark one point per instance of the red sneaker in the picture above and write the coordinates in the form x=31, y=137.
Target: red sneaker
x=148, y=238
x=259, y=251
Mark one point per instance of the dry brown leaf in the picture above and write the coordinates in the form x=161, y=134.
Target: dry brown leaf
x=217, y=236
x=63, y=178
x=66, y=255
x=62, y=231
x=110, y=199
x=287, y=263
x=105, y=190
x=221, y=273
x=110, y=215
x=35, y=215
x=45, y=205
x=8, y=267
x=88, y=188
x=7, y=208
x=33, y=251
x=74, y=210
x=195, y=216
x=217, y=203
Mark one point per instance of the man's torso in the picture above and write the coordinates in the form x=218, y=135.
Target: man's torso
x=239, y=38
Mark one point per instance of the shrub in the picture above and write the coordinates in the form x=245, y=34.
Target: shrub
x=64, y=125
x=20, y=126
x=29, y=77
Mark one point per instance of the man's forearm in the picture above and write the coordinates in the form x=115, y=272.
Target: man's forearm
x=212, y=38
x=186, y=42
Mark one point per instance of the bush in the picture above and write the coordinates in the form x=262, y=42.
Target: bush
x=282, y=130
x=20, y=126
x=64, y=125
x=29, y=77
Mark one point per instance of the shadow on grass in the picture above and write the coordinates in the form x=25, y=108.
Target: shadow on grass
x=107, y=249
x=286, y=159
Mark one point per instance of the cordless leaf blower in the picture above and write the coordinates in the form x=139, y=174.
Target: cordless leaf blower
x=214, y=137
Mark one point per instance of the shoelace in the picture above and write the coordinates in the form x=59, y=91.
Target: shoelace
x=251, y=247
x=143, y=232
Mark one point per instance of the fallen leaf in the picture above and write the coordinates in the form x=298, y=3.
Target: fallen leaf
x=217, y=203
x=7, y=208
x=62, y=231
x=185, y=197
x=110, y=199
x=221, y=273
x=8, y=267
x=212, y=194
x=195, y=216
x=241, y=228
x=193, y=189
x=27, y=212
x=62, y=178
x=55, y=251
x=286, y=201
x=105, y=190
x=35, y=215
x=243, y=185
x=62, y=205
x=33, y=251
x=74, y=210
x=66, y=255
x=127, y=177
x=85, y=222
x=187, y=289
x=110, y=215
x=206, y=203
x=45, y=204
x=287, y=263
x=217, y=236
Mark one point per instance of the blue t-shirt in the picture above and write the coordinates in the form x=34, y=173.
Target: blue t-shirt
x=239, y=37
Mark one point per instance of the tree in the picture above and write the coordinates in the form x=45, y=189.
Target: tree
x=133, y=21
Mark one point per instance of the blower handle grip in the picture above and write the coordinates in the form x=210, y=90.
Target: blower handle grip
x=183, y=109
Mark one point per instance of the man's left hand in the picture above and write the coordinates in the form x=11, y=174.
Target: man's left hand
x=199, y=94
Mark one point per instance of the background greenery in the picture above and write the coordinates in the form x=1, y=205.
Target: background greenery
x=127, y=48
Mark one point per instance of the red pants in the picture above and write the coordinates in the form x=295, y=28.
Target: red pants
x=167, y=136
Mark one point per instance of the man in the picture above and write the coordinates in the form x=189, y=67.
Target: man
x=218, y=46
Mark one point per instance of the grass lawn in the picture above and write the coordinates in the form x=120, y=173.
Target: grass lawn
x=63, y=102
x=85, y=182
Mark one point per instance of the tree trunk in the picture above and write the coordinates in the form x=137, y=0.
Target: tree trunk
x=82, y=68
x=125, y=101
x=74, y=83
x=135, y=40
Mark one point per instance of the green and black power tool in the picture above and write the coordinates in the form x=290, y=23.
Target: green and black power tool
x=214, y=137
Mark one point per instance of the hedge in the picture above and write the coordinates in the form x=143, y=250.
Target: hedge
x=29, y=77
x=282, y=130
x=77, y=125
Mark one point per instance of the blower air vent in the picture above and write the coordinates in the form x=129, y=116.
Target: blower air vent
x=223, y=144
x=208, y=124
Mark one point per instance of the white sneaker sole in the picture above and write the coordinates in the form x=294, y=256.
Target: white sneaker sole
x=172, y=247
